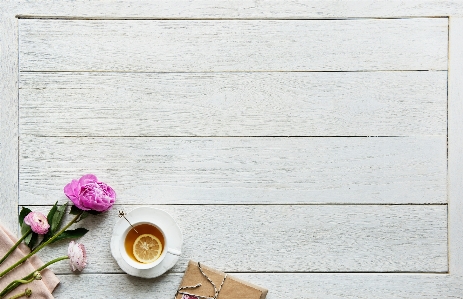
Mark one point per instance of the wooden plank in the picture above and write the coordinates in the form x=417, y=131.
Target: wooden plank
x=240, y=170
x=298, y=285
x=282, y=238
x=234, y=104
x=455, y=146
x=295, y=9
x=228, y=45
x=8, y=119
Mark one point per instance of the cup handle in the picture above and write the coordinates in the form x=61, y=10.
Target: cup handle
x=174, y=251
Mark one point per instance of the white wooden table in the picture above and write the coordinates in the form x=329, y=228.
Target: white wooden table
x=311, y=147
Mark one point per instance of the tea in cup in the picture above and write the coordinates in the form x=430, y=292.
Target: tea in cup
x=147, y=242
x=144, y=245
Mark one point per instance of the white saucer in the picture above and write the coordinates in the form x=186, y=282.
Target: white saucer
x=166, y=223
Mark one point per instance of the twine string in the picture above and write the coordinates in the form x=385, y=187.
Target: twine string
x=216, y=291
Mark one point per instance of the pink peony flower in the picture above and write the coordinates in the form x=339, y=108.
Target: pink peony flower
x=89, y=194
x=38, y=222
x=77, y=256
x=189, y=297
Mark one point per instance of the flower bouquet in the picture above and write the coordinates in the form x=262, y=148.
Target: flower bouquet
x=89, y=197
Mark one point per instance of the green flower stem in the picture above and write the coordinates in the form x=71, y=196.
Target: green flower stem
x=41, y=246
x=30, y=277
x=15, y=245
x=27, y=293
x=23, y=281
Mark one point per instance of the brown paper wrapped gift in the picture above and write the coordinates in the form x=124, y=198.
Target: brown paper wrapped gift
x=204, y=282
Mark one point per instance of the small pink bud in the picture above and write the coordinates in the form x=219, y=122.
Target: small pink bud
x=38, y=222
x=77, y=256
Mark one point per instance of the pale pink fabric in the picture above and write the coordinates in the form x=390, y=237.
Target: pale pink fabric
x=40, y=288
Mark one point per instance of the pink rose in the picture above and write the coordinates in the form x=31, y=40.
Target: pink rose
x=89, y=194
x=77, y=256
x=38, y=222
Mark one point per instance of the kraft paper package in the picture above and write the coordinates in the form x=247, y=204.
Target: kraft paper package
x=200, y=282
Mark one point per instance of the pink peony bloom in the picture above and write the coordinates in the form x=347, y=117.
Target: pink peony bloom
x=77, y=256
x=38, y=222
x=89, y=194
x=189, y=297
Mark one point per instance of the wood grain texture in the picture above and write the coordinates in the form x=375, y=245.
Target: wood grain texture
x=234, y=104
x=291, y=286
x=302, y=238
x=240, y=170
x=295, y=9
x=247, y=45
x=281, y=285
x=8, y=118
x=455, y=146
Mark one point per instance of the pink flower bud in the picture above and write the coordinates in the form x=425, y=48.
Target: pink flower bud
x=88, y=193
x=77, y=256
x=38, y=222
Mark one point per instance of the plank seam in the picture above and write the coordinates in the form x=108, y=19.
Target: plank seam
x=455, y=144
x=18, y=124
x=225, y=72
x=448, y=185
x=222, y=136
x=78, y=18
x=271, y=272
x=269, y=204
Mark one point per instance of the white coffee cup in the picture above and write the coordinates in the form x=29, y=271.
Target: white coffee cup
x=136, y=264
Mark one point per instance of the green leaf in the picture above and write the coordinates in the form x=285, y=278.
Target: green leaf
x=52, y=213
x=33, y=240
x=71, y=234
x=57, y=219
x=83, y=216
x=50, y=216
x=24, y=228
x=28, y=239
x=93, y=212
x=74, y=210
x=23, y=214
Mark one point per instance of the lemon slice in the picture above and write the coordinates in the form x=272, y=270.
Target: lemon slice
x=147, y=248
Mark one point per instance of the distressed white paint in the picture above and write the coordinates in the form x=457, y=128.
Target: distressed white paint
x=292, y=9
x=231, y=45
x=240, y=170
x=234, y=104
x=455, y=145
x=301, y=238
x=8, y=118
x=288, y=285
x=295, y=285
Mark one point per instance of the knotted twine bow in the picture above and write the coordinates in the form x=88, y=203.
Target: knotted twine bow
x=216, y=291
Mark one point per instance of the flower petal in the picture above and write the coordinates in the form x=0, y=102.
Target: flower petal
x=72, y=189
x=38, y=222
x=88, y=178
x=89, y=194
x=77, y=256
